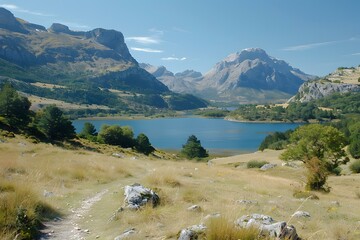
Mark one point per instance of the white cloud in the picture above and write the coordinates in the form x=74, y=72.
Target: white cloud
x=174, y=59
x=356, y=54
x=157, y=32
x=148, y=50
x=308, y=46
x=15, y=8
x=181, y=30
x=144, y=40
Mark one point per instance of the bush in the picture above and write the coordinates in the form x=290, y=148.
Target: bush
x=317, y=174
x=117, y=135
x=193, y=149
x=143, y=144
x=21, y=212
x=256, y=164
x=355, y=166
x=54, y=125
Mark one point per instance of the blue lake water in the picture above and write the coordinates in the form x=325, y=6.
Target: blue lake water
x=215, y=134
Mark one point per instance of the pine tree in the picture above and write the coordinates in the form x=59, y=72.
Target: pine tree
x=193, y=149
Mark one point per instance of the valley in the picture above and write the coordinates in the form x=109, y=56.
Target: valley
x=151, y=133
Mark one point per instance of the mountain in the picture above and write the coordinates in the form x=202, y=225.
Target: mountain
x=252, y=76
x=183, y=82
x=92, y=64
x=249, y=76
x=343, y=80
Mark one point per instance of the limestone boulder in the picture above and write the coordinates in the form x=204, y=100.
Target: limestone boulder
x=137, y=196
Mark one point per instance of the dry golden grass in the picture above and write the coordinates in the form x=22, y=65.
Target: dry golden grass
x=74, y=175
x=39, y=102
x=224, y=229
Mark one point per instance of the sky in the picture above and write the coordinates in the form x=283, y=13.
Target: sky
x=316, y=36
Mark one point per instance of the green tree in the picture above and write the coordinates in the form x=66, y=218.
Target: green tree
x=143, y=144
x=88, y=131
x=54, y=125
x=13, y=107
x=193, y=149
x=314, y=144
x=117, y=135
x=354, y=146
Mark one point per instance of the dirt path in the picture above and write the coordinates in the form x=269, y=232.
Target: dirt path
x=68, y=228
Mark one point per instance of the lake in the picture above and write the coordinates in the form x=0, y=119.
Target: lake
x=216, y=135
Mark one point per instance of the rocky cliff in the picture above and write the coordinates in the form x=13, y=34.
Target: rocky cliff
x=61, y=55
x=253, y=68
x=342, y=80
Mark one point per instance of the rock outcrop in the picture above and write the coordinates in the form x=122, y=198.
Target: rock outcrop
x=9, y=22
x=268, y=227
x=137, y=196
x=318, y=89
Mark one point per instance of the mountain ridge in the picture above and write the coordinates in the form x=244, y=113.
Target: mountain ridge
x=93, y=64
x=248, y=76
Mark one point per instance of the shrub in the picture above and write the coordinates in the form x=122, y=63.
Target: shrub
x=116, y=135
x=54, y=125
x=317, y=174
x=256, y=164
x=21, y=212
x=193, y=149
x=143, y=144
x=88, y=131
x=355, y=166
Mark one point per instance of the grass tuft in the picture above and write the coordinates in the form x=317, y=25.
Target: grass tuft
x=256, y=164
x=223, y=229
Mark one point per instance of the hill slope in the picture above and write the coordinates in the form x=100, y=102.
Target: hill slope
x=343, y=80
x=80, y=62
x=72, y=181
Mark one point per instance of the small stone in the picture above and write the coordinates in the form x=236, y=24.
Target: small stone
x=212, y=215
x=289, y=164
x=192, y=232
x=48, y=194
x=87, y=231
x=246, y=202
x=125, y=234
x=195, y=208
x=301, y=214
x=268, y=166
x=119, y=155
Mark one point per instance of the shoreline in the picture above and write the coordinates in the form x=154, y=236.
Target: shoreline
x=268, y=121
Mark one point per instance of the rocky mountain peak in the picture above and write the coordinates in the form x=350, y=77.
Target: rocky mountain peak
x=112, y=39
x=247, y=54
x=9, y=22
x=59, y=28
x=189, y=74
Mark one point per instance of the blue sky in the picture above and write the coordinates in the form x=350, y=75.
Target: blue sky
x=316, y=36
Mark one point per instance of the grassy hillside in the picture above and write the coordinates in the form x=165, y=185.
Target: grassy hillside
x=85, y=188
